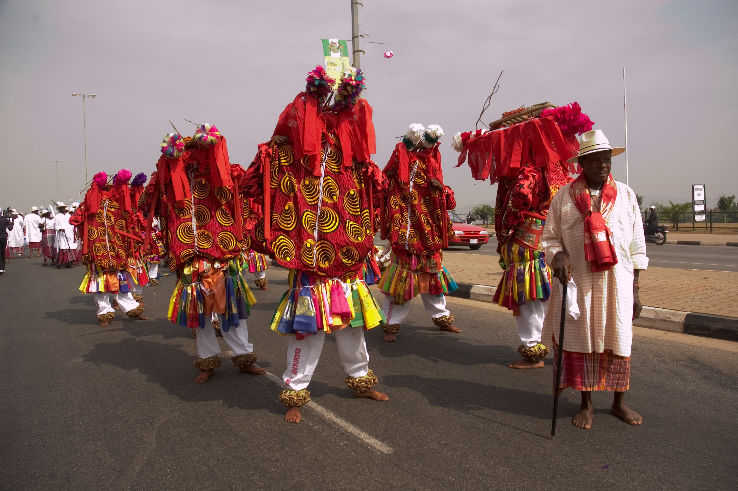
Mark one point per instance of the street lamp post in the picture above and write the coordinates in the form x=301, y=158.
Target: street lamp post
x=84, y=123
x=57, y=162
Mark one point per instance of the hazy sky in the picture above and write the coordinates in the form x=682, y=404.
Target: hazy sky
x=237, y=63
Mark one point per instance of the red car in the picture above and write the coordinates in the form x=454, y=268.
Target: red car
x=466, y=234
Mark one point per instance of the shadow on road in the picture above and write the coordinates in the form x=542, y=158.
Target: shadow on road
x=172, y=368
x=430, y=343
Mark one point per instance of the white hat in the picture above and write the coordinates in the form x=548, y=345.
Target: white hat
x=34, y=208
x=594, y=141
x=14, y=211
x=60, y=204
x=75, y=204
x=653, y=207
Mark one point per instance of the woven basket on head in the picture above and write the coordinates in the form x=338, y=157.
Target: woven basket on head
x=520, y=115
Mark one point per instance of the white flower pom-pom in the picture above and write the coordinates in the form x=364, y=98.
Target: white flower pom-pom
x=457, y=144
x=432, y=134
x=415, y=133
x=434, y=131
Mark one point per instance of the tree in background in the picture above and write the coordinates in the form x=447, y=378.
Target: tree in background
x=674, y=211
x=639, y=197
x=486, y=213
x=727, y=204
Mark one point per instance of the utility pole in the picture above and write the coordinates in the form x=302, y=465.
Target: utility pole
x=84, y=124
x=57, y=162
x=355, y=35
x=625, y=121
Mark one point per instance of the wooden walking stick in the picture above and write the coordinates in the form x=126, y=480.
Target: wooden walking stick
x=559, y=361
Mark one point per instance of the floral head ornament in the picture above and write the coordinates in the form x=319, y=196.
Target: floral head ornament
x=319, y=83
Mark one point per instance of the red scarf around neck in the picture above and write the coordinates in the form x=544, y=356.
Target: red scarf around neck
x=598, y=247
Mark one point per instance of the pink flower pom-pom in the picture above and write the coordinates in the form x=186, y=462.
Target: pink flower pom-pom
x=172, y=146
x=388, y=54
x=122, y=176
x=101, y=179
x=570, y=119
x=207, y=134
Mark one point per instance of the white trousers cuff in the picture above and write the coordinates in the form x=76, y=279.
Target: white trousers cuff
x=434, y=305
x=237, y=339
x=530, y=322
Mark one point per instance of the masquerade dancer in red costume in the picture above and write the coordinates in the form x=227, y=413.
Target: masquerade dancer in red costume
x=525, y=152
x=318, y=184
x=197, y=195
x=107, y=226
x=415, y=220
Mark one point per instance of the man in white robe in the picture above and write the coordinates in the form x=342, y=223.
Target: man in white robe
x=65, y=241
x=16, y=237
x=603, y=264
x=32, y=222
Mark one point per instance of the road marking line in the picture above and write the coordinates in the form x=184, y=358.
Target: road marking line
x=341, y=423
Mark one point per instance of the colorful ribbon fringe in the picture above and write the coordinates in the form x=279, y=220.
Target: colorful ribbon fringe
x=316, y=302
x=188, y=304
x=526, y=277
x=255, y=262
x=117, y=282
x=403, y=281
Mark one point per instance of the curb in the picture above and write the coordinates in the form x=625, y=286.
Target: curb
x=695, y=323
x=699, y=242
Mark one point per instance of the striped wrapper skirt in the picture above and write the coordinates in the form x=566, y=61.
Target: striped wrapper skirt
x=593, y=371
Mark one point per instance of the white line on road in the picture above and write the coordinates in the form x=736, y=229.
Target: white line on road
x=341, y=423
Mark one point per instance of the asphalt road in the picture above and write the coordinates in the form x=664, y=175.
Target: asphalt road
x=716, y=258
x=86, y=407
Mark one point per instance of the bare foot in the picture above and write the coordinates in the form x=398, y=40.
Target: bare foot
x=253, y=369
x=105, y=323
x=585, y=415
x=372, y=394
x=389, y=337
x=625, y=413
x=293, y=415
x=450, y=329
x=524, y=364
x=204, y=376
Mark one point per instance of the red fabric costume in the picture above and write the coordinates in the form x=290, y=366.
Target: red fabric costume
x=198, y=198
x=343, y=142
x=110, y=231
x=415, y=220
x=318, y=190
x=528, y=160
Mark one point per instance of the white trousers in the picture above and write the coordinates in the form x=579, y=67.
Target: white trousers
x=530, y=322
x=303, y=356
x=153, y=269
x=236, y=337
x=125, y=300
x=434, y=305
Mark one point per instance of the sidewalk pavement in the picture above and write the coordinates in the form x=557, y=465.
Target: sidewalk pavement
x=686, y=238
x=688, y=301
